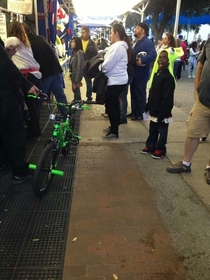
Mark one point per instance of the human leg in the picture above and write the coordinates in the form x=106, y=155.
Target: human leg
x=140, y=99
x=56, y=87
x=198, y=124
x=153, y=136
x=77, y=93
x=123, y=105
x=160, y=144
x=89, y=87
x=113, y=107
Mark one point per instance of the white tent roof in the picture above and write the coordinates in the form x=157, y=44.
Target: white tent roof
x=103, y=8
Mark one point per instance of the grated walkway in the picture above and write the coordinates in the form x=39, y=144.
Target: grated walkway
x=33, y=231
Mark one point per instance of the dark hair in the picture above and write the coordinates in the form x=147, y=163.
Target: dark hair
x=172, y=40
x=26, y=28
x=123, y=37
x=194, y=46
x=78, y=43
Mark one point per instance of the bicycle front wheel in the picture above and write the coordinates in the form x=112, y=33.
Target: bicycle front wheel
x=42, y=175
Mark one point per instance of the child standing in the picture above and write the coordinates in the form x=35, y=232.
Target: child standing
x=77, y=61
x=159, y=106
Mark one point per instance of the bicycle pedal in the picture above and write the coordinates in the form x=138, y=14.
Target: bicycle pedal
x=74, y=142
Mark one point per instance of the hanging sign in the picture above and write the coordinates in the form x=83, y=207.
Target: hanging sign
x=23, y=7
x=3, y=27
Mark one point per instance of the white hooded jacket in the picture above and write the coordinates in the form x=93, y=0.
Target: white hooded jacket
x=115, y=64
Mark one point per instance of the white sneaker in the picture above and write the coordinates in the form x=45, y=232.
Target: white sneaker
x=189, y=77
x=193, y=76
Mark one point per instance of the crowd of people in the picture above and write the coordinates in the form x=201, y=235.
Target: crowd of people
x=28, y=64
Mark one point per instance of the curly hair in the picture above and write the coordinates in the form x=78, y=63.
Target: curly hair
x=16, y=29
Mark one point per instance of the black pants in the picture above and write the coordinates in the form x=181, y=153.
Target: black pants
x=32, y=104
x=113, y=106
x=158, y=134
x=12, y=135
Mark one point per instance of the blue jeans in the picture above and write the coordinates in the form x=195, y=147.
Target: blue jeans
x=157, y=139
x=88, y=85
x=138, y=97
x=54, y=84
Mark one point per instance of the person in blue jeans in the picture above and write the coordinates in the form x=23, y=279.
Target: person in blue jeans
x=144, y=54
x=52, y=73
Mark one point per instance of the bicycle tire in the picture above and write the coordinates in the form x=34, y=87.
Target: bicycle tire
x=67, y=137
x=42, y=175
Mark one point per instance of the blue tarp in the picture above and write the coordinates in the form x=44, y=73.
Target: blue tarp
x=204, y=19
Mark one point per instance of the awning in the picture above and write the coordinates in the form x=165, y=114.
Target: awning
x=107, y=8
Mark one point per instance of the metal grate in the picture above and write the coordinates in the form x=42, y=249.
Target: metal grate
x=6, y=274
x=37, y=274
x=49, y=223
x=42, y=251
x=14, y=223
x=9, y=250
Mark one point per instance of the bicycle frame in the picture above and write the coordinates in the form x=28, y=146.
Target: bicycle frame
x=60, y=128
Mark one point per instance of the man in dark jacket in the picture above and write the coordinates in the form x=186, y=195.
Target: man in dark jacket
x=90, y=50
x=144, y=55
x=52, y=76
x=12, y=131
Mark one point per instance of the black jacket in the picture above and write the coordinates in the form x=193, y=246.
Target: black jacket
x=161, y=95
x=44, y=55
x=91, y=50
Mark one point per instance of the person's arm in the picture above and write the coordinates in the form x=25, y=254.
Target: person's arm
x=13, y=74
x=167, y=98
x=198, y=73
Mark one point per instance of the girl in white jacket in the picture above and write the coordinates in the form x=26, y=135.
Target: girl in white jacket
x=115, y=68
x=192, y=60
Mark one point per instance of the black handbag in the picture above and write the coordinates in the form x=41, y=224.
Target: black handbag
x=100, y=87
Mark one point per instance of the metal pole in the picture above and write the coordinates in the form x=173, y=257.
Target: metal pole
x=36, y=17
x=178, y=5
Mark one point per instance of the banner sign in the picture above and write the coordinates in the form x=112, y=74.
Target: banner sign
x=3, y=27
x=23, y=7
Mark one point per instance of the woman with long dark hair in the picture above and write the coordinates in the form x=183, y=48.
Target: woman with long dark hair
x=76, y=65
x=115, y=68
x=192, y=60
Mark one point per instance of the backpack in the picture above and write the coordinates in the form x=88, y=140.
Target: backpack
x=92, y=66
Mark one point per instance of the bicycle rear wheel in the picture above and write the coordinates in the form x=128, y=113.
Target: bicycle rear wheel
x=42, y=175
x=67, y=137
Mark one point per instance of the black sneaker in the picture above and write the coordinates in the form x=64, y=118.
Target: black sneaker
x=179, y=168
x=110, y=136
x=158, y=154
x=146, y=151
x=123, y=121
x=207, y=175
x=129, y=115
x=19, y=179
x=136, y=118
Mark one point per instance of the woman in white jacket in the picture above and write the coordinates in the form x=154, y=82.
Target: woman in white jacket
x=115, y=68
x=192, y=60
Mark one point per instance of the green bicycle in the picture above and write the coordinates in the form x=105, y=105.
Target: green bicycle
x=62, y=138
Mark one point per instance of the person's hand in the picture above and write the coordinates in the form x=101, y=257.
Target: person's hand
x=11, y=50
x=138, y=62
x=34, y=90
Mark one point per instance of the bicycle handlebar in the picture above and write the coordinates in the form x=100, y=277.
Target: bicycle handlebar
x=77, y=104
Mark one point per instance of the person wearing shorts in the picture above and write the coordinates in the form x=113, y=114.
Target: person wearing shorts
x=198, y=123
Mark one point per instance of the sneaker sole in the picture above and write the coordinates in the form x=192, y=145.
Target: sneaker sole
x=178, y=171
x=157, y=157
x=146, y=153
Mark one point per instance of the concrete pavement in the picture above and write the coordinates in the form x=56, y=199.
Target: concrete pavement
x=179, y=202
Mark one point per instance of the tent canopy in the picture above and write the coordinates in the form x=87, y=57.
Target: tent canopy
x=108, y=8
x=204, y=19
